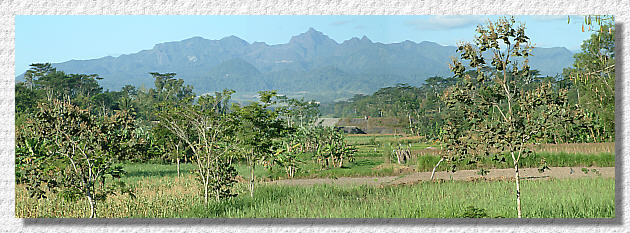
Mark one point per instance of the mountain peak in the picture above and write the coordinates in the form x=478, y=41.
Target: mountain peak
x=356, y=40
x=234, y=39
x=195, y=38
x=311, y=36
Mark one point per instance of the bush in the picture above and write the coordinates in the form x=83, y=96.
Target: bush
x=473, y=212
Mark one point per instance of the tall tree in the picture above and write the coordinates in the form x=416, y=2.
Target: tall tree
x=259, y=126
x=36, y=71
x=498, y=109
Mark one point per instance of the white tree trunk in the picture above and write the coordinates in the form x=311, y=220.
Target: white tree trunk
x=251, y=182
x=92, y=205
x=518, y=190
x=438, y=164
x=205, y=192
x=177, y=167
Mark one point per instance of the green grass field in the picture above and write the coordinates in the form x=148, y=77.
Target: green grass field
x=160, y=193
x=367, y=162
x=172, y=197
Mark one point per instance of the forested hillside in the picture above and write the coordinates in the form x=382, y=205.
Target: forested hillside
x=310, y=65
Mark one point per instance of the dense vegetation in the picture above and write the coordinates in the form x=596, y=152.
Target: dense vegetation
x=74, y=139
x=586, y=89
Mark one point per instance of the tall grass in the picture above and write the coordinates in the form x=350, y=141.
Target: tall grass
x=426, y=163
x=178, y=197
x=576, y=148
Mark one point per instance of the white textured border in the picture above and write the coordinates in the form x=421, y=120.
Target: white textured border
x=10, y=8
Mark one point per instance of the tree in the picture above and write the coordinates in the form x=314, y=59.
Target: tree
x=67, y=149
x=167, y=91
x=36, y=71
x=286, y=154
x=331, y=148
x=594, y=23
x=259, y=126
x=297, y=112
x=26, y=99
x=209, y=131
x=495, y=111
x=593, y=74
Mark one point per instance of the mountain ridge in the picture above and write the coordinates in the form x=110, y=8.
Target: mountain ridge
x=361, y=64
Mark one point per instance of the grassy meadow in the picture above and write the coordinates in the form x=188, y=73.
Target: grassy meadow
x=160, y=193
x=172, y=197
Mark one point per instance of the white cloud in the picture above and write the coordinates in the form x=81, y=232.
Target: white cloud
x=446, y=22
x=284, y=61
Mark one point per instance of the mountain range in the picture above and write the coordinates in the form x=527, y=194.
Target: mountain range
x=310, y=65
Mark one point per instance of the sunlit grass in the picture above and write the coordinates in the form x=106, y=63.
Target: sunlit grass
x=161, y=193
x=159, y=197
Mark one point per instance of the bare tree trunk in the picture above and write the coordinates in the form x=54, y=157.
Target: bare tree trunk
x=518, y=188
x=438, y=164
x=177, y=167
x=251, y=182
x=177, y=151
x=410, y=123
x=92, y=205
x=205, y=191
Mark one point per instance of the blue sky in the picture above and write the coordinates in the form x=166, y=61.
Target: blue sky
x=61, y=38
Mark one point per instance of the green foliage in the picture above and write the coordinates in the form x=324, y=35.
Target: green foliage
x=483, y=172
x=297, y=112
x=331, y=148
x=593, y=74
x=258, y=127
x=420, y=107
x=168, y=91
x=494, y=114
x=209, y=131
x=287, y=156
x=473, y=212
x=66, y=149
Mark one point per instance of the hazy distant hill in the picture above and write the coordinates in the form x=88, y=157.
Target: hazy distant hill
x=310, y=64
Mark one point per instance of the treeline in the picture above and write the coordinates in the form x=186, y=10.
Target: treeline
x=71, y=136
x=586, y=91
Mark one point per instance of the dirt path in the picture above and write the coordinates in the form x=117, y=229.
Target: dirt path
x=467, y=175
